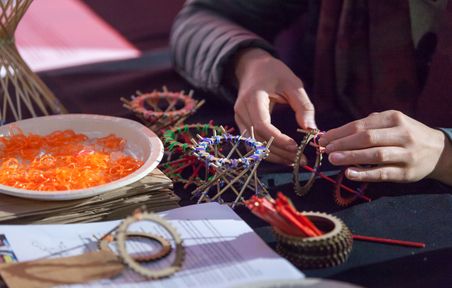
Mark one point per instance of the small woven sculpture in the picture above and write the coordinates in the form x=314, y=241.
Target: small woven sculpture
x=23, y=93
x=307, y=239
x=120, y=234
x=181, y=165
x=310, y=135
x=234, y=171
x=161, y=110
x=346, y=200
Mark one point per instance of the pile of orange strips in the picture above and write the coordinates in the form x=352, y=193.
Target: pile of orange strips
x=62, y=160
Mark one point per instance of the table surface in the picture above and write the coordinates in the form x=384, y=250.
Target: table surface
x=416, y=212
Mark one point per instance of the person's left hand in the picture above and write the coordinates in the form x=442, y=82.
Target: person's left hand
x=400, y=148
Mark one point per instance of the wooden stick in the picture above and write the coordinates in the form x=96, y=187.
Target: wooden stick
x=29, y=90
x=389, y=241
x=310, y=169
x=235, y=145
x=229, y=185
x=252, y=172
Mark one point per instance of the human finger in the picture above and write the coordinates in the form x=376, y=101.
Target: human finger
x=377, y=174
x=366, y=139
x=374, y=155
x=259, y=112
x=373, y=121
x=304, y=109
x=239, y=120
x=277, y=154
x=287, y=155
x=274, y=158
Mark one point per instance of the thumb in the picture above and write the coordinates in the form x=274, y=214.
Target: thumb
x=304, y=109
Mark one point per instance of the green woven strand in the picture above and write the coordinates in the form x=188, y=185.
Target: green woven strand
x=185, y=146
x=172, y=145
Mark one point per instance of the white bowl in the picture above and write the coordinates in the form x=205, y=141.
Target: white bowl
x=142, y=143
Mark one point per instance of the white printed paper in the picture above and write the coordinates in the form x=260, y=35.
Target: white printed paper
x=222, y=250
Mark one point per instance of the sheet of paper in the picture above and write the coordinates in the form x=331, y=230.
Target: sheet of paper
x=57, y=34
x=222, y=250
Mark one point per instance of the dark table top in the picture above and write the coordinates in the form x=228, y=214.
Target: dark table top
x=416, y=212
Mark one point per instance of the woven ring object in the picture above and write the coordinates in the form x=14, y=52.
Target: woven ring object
x=329, y=249
x=302, y=190
x=170, y=137
x=345, y=201
x=164, y=244
x=260, y=151
x=138, y=104
x=128, y=260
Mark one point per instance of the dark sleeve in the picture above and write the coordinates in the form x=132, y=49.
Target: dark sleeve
x=448, y=132
x=207, y=34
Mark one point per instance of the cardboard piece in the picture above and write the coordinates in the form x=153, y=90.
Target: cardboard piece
x=60, y=271
x=153, y=191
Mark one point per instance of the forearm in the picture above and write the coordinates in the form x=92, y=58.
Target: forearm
x=207, y=35
x=203, y=44
x=247, y=56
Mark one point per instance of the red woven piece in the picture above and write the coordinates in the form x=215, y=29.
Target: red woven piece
x=161, y=110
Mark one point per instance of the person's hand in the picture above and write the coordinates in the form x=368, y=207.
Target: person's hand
x=401, y=149
x=263, y=81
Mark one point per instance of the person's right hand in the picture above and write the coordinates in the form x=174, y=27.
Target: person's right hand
x=263, y=81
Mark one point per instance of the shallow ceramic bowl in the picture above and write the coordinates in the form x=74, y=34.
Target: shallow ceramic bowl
x=142, y=143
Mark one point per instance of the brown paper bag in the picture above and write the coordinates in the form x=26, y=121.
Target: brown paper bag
x=60, y=271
